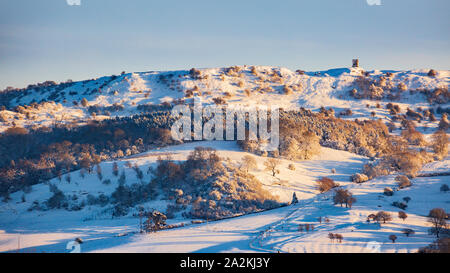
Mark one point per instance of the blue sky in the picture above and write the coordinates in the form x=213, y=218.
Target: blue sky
x=50, y=40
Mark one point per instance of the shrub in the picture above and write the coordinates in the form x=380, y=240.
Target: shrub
x=408, y=231
x=444, y=123
x=291, y=167
x=359, y=178
x=413, y=137
x=57, y=200
x=346, y=112
x=403, y=181
x=325, y=184
x=195, y=73
x=392, y=238
x=408, y=162
x=155, y=221
x=400, y=205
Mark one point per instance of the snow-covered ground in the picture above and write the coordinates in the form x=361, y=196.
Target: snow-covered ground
x=269, y=231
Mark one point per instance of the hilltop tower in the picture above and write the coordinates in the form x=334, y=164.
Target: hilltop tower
x=355, y=63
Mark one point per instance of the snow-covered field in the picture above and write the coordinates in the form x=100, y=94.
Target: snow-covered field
x=269, y=231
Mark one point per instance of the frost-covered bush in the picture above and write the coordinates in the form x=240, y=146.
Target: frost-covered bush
x=413, y=137
x=359, y=178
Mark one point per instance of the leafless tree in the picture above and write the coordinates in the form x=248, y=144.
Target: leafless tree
x=249, y=162
x=383, y=216
x=392, y=238
x=271, y=165
x=437, y=217
x=343, y=196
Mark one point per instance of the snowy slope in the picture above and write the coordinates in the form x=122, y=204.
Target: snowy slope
x=275, y=230
x=15, y=219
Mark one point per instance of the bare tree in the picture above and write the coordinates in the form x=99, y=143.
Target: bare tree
x=249, y=162
x=437, y=217
x=383, y=216
x=331, y=236
x=325, y=184
x=392, y=238
x=271, y=165
x=339, y=237
x=343, y=196
x=402, y=215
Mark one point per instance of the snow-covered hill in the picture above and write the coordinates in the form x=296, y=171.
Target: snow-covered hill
x=243, y=85
x=26, y=222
